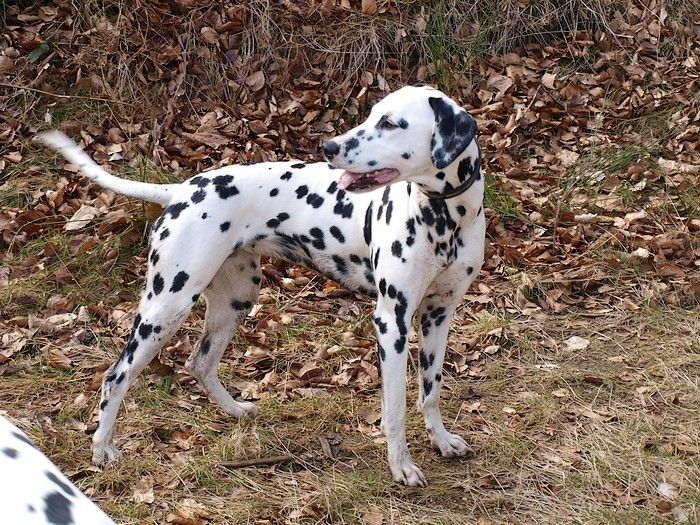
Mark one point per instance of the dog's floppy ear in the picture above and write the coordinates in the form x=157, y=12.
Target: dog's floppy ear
x=452, y=132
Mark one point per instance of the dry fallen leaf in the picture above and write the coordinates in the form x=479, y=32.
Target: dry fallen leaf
x=143, y=490
x=58, y=359
x=577, y=343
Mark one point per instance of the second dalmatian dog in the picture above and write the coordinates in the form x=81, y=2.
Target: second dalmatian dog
x=396, y=214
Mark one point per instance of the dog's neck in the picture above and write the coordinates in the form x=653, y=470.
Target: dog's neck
x=458, y=180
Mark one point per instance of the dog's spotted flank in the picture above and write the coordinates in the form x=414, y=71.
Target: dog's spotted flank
x=395, y=214
x=32, y=489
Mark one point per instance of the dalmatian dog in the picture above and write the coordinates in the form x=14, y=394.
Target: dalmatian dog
x=32, y=489
x=395, y=214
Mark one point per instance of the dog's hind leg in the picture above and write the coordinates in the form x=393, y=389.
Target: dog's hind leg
x=229, y=296
x=177, y=274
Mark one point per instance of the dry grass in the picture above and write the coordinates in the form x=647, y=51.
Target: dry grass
x=559, y=435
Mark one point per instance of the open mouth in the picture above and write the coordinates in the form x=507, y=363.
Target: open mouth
x=362, y=181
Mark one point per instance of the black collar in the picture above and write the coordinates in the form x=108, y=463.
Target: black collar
x=476, y=175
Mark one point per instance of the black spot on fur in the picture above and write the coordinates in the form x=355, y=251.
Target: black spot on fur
x=376, y=258
x=223, y=180
x=286, y=175
x=440, y=175
x=332, y=188
x=104, y=404
x=427, y=386
x=301, y=191
x=438, y=377
x=164, y=234
x=464, y=169
x=402, y=123
x=400, y=344
x=355, y=258
x=145, y=330
x=154, y=258
x=368, y=225
x=225, y=192
x=351, y=144
x=298, y=166
x=461, y=210
x=22, y=438
x=340, y=264
x=337, y=234
x=470, y=270
x=198, y=196
x=10, y=452
x=372, y=163
x=425, y=324
x=200, y=181
x=158, y=283
x=389, y=209
x=174, y=210
x=255, y=279
x=406, y=155
x=225, y=226
x=382, y=353
x=317, y=242
x=381, y=325
x=274, y=192
x=57, y=509
x=315, y=200
x=179, y=281
x=382, y=286
x=204, y=215
x=396, y=248
x=423, y=360
x=205, y=346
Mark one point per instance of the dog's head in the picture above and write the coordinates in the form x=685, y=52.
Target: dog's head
x=409, y=135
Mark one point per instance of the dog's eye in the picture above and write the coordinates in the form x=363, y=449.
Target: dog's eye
x=387, y=124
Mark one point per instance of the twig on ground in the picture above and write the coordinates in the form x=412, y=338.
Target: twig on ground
x=256, y=462
x=57, y=95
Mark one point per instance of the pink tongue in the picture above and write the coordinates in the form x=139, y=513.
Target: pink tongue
x=347, y=178
x=377, y=177
x=385, y=175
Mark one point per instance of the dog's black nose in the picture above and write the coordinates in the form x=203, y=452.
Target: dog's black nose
x=330, y=149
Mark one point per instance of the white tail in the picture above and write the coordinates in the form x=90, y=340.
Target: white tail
x=160, y=193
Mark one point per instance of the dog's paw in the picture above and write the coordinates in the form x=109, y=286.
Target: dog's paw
x=103, y=454
x=407, y=473
x=450, y=445
x=241, y=409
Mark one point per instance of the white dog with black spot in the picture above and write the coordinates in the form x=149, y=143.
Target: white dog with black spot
x=396, y=214
x=33, y=491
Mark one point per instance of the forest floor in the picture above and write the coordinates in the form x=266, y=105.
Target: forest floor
x=573, y=365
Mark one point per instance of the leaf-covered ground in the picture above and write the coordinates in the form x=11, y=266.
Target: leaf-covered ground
x=573, y=365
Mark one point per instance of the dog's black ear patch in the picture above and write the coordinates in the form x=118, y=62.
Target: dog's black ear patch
x=453, y=132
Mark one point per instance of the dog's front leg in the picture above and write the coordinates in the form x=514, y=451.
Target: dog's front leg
x=392, y=317
x=435, y=315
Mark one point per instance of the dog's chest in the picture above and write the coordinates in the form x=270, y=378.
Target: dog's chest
x=414, y=228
